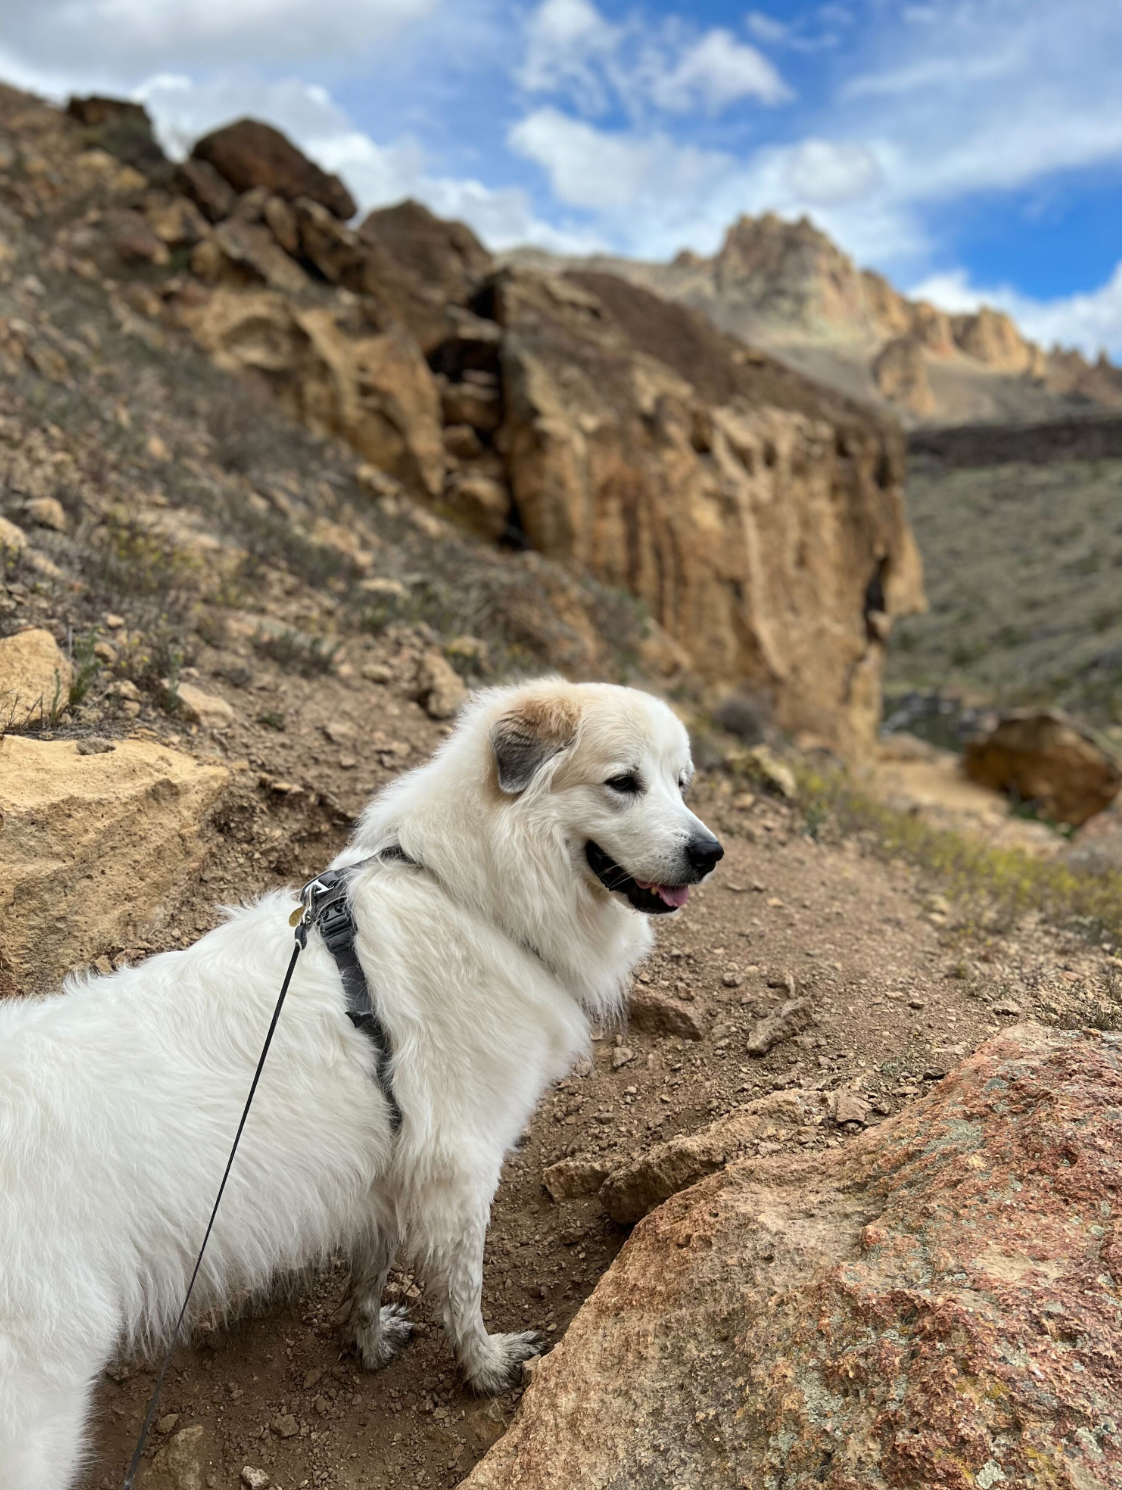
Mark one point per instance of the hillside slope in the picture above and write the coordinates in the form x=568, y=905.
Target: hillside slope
x=756, y=517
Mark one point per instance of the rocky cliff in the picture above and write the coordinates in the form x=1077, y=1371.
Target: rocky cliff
x=787, y=287
x=758, y=517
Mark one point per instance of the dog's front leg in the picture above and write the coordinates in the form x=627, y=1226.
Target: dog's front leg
x=376, y=1330
x=452, y=1227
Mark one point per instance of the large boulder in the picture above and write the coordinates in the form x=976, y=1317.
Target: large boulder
x=335, y=371
x=445, y=256
x=93, y=848
x=936, y=1304
x=760, y=517
x=35, y=679
x=249, y=153
x=1042, y=757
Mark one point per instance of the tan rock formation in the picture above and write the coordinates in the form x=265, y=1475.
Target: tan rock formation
x=35, y=678
x=630, y=1192
x=92, y=849
x=331, y=368
x=249, y=153
x=935, y=1304
x=760, y=519
x=901, y=375
x=1043, y=757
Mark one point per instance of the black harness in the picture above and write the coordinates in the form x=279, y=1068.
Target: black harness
x=327, y=908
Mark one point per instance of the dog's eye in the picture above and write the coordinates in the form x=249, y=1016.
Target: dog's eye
x=628, y=785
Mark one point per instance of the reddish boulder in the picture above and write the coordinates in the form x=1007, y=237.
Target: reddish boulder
x=935, y=1305
x=250, y=153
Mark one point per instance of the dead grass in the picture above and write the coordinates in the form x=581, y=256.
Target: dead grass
x=992, y=887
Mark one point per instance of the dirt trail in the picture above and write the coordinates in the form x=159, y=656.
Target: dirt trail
x=900, y=996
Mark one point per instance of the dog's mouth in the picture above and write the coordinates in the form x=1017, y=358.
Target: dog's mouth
x=646, y=896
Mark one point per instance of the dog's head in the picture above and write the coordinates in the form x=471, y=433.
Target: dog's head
x=607, y=766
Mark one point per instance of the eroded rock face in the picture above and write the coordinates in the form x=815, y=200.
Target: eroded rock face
x=935, y=1304
x=759, y=517
x=91, y=846
x=250, y=153
x=336, y=372
x=1043, y=757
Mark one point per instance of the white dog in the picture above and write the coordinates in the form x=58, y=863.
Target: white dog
x=502, y=919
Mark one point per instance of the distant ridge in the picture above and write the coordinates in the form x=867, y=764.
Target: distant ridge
x=788, y=288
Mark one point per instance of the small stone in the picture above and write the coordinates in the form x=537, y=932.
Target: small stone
x=732, y=979
x=658, y=1014
x=157, y=449
x=254, y=1479
x=47, y=512
x=205, y=709
x=285, y=1425
x=570, y=1178
x=1006, y=1006
x=313, y=1377
x=339, y=732
x=184, y=1460
x=914, y=1003
x=791, y=1019
x=776, y=776
x=376, y=672
x=621, y=1056
x=168, y=1423
x=439, y=689
x=94, y=745
x=105, y=652
x=850, y=1107
x=114, y=622
x=13, y=540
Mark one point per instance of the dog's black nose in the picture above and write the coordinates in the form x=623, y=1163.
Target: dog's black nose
x=703, y=854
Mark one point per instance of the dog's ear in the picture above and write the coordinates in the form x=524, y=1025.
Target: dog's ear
x=528, y=735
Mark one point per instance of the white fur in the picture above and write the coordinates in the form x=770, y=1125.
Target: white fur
x=119, y=1097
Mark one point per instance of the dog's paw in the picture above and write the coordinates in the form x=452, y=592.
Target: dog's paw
x=379, y=1341
x=499, y=1368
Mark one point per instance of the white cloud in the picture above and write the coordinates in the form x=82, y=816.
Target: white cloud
x=715, y=71
x=825, y=172
x=765, y=27
x=1091, y=321
x=571, y=51
x=110, y=40
x=570, y=48
x=652, y=196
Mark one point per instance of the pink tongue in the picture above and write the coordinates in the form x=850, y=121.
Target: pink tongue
x=673, y=894
x=668, y=894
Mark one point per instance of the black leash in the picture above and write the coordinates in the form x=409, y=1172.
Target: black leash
x=134, y=1465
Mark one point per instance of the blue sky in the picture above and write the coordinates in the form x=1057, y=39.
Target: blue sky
x=967, y=148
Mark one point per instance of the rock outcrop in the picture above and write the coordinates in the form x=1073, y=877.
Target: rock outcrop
x=935, y=1304
x=1042, y=758
x=760, y=519
x=336, y=369
x=92, y=849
